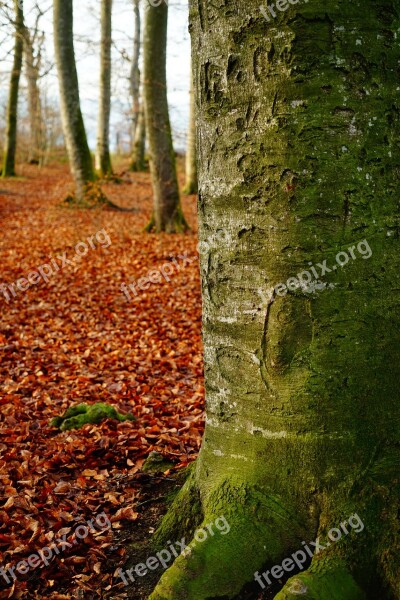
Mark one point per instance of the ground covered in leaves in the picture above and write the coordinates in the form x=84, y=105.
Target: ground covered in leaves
x=77, y=338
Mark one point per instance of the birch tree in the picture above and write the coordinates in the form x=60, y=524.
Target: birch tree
x=299, y=160
x=103, y=159
x=74, y=129
x=167, y=213
x=10, y=148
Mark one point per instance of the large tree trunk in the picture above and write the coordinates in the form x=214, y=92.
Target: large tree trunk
x=299, y=162
x=12, y=108
x=74, y=130
x=103, y=159
x=167, y=214
x=191, y=155
x=32, y=66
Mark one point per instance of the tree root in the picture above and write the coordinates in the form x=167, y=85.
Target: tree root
x=328, y=583
x=218, y=562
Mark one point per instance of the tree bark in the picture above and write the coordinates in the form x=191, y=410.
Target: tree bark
x=167, y=213
x=74, y=130
x=135, y=71
x=299, y=161
x=138, y=162
x=138, y=120
x=191, y=155
x=12, y=108
x=32, y=66
x=103, y=159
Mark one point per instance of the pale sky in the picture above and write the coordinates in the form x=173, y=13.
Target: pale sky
x=87, y=36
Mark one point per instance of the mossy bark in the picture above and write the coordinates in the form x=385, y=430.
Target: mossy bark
x=167, y=212
x=74, y=130
x=103, y=158
x=10, y=148
x=299, y=159
x=191, y=154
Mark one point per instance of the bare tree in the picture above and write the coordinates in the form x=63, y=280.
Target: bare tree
x=74, y=129
x=103, y=159
x=12, y=110
x=33, y=47
x=135, y=71
x=138, y=120
x=167, y=213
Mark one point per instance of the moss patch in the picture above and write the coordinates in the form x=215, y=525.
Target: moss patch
x=77, y=416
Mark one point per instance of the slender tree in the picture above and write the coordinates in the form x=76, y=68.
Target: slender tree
x=74, y=130
x=167, y=214
x=12, y=108
x=191, y=155
x=32, y=71
x=103, y=159
x=299, y=160
x=138, y=120
x=135, y=70
x=138, y=162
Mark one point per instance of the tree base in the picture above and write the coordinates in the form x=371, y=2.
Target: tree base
x=93, y=198
x=176, y=224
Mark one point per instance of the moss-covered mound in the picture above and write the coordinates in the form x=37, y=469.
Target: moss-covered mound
x=77, y=416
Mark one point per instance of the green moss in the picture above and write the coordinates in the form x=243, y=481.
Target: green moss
x=329, y=584
x=156, y=463
x=78, y=416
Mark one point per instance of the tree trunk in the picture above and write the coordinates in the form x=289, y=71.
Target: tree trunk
x=167, y=214
x=37, y=142
x=103, y=159
x=74, y=130
x=135, y=71
x=299, y=164
x=191, y=156
x=138, y=121
x=138, y=162
x=12, y=108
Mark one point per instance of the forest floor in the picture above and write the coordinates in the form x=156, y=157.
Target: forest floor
x=73, y=336
x=77, y=338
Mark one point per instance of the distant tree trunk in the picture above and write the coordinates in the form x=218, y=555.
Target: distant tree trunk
x=135, y=71
x=191, y=158
x=167, y=215
x=139, y=144
x=73, y=126
x=103, y=160
x=32, y=66
x=12, y=110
